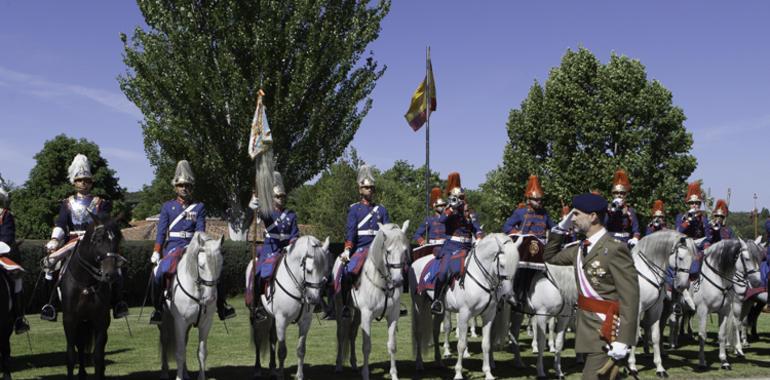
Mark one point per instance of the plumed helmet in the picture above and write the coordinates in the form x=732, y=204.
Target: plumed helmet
x=453, y=185
x=365, y=177
x=620, y=181
x=435, y=197
x=4, y=198
x=278, y=188
x=183, y=174
x=533, y=189
x=658, y=208
x=721, y=208
x=693, y=192
x=79, y=168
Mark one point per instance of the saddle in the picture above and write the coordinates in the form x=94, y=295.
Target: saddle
x=427, y=280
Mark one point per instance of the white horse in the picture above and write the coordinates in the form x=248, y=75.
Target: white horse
x=296, y=290
x=653, y=257
x=490, y=267
x=725, y=264
x=751, y=306
x=376, y=294
x=192, y=303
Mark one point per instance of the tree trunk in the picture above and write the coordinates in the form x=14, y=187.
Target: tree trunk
x=238, y=220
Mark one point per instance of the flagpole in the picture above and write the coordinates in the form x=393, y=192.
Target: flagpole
x=427, y=136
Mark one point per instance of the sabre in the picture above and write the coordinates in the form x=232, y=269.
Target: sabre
x=146, y=294
x=29, y=342
x=128, y=325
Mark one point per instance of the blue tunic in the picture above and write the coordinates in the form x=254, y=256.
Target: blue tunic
x=461, y=227
x=280, y=231
x=696, y=229
x=723, y=233
x=74, y=212
x=7, y=227
x=360, y=230
x=436, y=230
x=623, y=224
x=527, y=220
x=180, y=234
x=764, y=268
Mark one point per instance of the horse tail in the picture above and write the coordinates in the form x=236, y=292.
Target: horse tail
x=260, y=337
x=731, y=330
x=500, y=325
x=167, y=339
x=86, y=337
x=422, y=320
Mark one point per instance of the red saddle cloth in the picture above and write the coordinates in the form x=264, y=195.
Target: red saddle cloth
x=530, y=252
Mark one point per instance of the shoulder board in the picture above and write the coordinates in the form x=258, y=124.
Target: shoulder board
x=571, y=244
x=353, y=204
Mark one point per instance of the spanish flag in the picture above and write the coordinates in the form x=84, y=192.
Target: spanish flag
x=417, y=113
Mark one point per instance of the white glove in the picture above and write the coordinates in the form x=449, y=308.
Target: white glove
x=345, y=256
x=52, y=245
x=618, y=350
x=155, y=258
x=254, y=203
x=633, y=241
x=618, y=201
x=566, y=221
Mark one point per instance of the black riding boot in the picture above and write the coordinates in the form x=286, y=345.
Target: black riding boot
x=259, y=309
x=437, y=307
x=48, y=312
x=347, y=284
x=224, y=310
x=157, y=302
x=119, y=306
x=20, y=326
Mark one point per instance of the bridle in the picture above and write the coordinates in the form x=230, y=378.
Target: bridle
x=301, y=286
x=493, y=280
x=389, y=289
x=94, y=271
x=659, y=272
x=200, y=283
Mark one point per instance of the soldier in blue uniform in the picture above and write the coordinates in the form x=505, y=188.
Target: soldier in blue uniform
x=719, y=230
x=70, y=226
x=461, y=228
x=8, y=236
x=280, y=231
x=621, y=222
x=180, y=219
x=431, y=225
x=694, y=224
x=764, y=267
x=359, y=233
x=658, y=221
x=532, y=219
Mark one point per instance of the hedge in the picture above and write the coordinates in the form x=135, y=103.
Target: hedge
x=137, y=271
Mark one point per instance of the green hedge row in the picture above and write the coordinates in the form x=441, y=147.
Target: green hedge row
x=137, y=270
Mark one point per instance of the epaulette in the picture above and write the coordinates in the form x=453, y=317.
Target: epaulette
x=352, y=204
x=572, y=243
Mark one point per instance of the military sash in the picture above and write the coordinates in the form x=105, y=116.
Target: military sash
x=589, y=300
x=180, y=216
x=367, y=217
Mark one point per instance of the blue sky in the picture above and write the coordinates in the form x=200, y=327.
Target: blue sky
x=60, y=60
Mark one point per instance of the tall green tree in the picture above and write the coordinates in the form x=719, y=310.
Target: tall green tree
x=195, y=70
x=589, y=120
x=36, y=204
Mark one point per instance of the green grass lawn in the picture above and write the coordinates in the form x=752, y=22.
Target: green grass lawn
x=231, y=356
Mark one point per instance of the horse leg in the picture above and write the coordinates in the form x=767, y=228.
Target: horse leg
x=392, y=331
x=561, y=326
x=280, y=330
x=722, y=341
x=552, y=334
x=70, y=330
x=180, y=333
x=516, y=320
x=304, y=327
x=203, y=335
x=163, y=332
x=100, y=342
x=342, y=336
x=352, y=335
x=462, y=342
x=447, y=323
x=656, y=354
x=539, y=340
x=486, y=345
x=5, y=350
x=702, y=319
x=366, y=328
x=437, y=323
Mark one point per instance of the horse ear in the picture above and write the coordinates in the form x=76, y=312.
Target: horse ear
x=683, y=240
x=379, y=225
x=405, y=226
x=326, y=245
x=199, y=239
x=758, y=240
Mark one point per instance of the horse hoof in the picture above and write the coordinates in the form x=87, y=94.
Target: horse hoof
x=701, y=368
x=338, y=369
x=662, y=374
x=634, y=372
x=561, y=377
x=740, y=354
x=727, y=366
x=447, y=355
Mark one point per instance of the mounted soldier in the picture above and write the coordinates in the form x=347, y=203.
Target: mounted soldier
x=75, y=215
x=461, y=228
x=11, y=268
x=622, y=223
x=435, y=229
x=658, y=221
x=532, y=219
x=719, y=230
x=364, y=218
x=280, y=232
x=180, y=219
x=694, y=223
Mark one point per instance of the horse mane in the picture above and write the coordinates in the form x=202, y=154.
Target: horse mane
x=657, y=246
x=756, y=252
x=189, y=261
x=378, y=249
x=564, y=277
x=313, y=245
x=106, y=224
x=484, y=248
x=725, y=253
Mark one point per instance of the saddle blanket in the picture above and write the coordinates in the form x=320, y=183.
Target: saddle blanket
x=352, y=268
x=456, y=268
x=167, y=266
x=10, y=265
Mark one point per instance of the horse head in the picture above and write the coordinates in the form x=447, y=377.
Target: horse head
x=751, y=256
x=498, y=255
x=679, y=261
x=99, y=249
x=208, y=262
x=312, y=256
x=389, y=251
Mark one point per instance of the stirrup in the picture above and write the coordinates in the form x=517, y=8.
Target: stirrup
x=156, y=318
x=226, y=312
x=48, y=313
x=20, y=326
x=120, y=310
x=259, y=315
x=437, y=307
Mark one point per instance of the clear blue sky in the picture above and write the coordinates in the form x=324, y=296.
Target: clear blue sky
x=60, y=60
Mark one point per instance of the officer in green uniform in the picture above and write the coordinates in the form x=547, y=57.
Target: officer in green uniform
x=608, y=289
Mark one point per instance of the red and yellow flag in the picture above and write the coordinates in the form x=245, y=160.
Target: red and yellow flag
x=417, y=113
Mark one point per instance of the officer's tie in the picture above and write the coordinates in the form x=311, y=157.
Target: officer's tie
x=584, y=247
